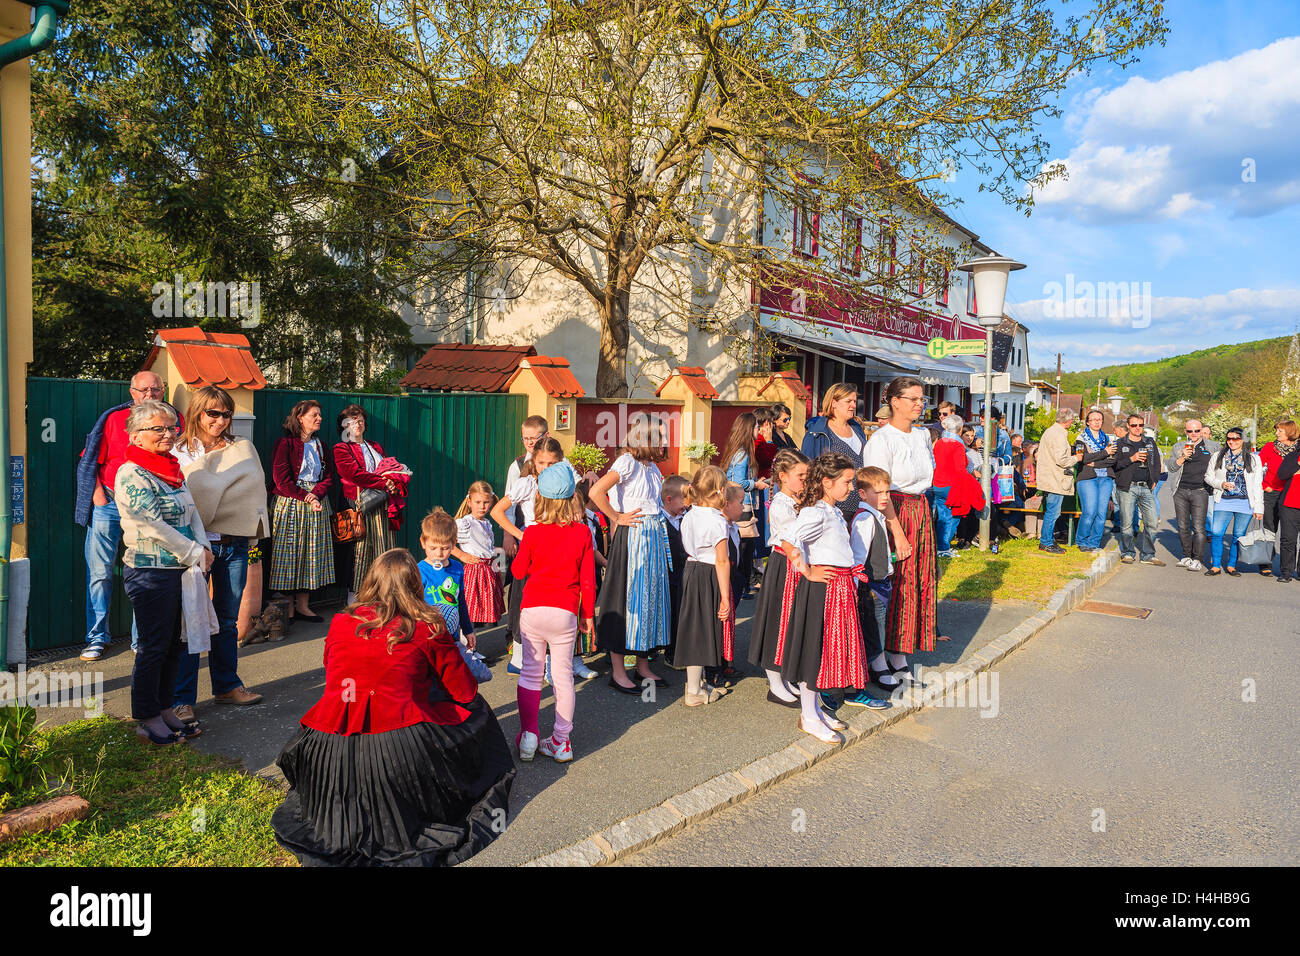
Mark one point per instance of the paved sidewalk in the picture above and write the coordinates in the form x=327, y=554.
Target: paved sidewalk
x=630, y=754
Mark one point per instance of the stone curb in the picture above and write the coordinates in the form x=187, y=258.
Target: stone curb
x=650, y=826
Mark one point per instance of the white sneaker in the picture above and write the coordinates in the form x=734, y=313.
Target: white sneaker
x=1195, y=565
x=527, y=746
x=581, y=670
x=1183, y=562
x=561, y=753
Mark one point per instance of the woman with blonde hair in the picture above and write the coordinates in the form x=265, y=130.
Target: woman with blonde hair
x=837, y=430
x=224, y=474
x=397, y=694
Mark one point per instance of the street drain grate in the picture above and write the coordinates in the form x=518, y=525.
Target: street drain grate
x=1115, y=610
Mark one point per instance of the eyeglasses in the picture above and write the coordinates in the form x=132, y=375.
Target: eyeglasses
x=148, y=391
x=161, y=430
x=217, y=413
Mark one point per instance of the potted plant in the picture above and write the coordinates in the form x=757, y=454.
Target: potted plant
x=700, y=451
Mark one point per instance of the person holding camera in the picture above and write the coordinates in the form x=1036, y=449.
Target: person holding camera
x=1093, y=483
x=1137, y=471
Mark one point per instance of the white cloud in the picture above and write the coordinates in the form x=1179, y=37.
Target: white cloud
x=1169, y=149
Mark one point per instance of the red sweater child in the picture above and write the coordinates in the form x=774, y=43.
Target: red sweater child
x=560, y=567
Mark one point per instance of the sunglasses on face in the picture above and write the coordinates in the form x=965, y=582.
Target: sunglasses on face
x=1235, y=438
x=217, y=413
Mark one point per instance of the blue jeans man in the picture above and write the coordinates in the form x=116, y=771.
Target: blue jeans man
x=103, y=536
x=1051, y=512
x=1137, y=498
x=228, y=575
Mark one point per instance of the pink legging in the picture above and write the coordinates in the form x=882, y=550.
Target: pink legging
x=557, y=629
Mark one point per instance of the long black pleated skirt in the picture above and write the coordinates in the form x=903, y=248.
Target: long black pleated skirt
x=425, y=795
x=802, y=660
x=699, y=631
x=766, y=628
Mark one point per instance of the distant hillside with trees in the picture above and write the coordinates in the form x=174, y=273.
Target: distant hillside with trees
x=1247, y=372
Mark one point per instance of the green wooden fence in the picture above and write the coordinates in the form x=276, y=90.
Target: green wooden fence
x=448, y=440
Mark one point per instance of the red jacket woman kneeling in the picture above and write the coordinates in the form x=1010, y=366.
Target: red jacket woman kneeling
x=400, y=762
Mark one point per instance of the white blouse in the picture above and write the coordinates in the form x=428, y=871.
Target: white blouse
x=906, y=456
x=474, y=536
x=823, y=536
x=311, y=461
x=524, y=494
x=702, y=529
x=639, y=485
x=779, y=514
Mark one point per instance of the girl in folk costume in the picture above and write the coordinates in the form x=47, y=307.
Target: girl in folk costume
x=707, y=605
x=523, y=492
x=767, y=636
x=823, y=646
x=483, y=592
x=903, y=450
x=635, y=607
x=732, y=509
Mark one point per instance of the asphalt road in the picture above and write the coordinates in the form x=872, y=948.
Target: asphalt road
x=1139, y=726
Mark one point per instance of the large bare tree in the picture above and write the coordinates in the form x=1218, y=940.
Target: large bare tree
x=615, y=142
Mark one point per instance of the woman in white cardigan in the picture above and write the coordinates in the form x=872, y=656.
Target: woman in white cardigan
x=1236, y=477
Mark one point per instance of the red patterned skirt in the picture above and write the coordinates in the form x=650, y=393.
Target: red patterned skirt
x=913, y=611
x=483, y=593
x=823, y=646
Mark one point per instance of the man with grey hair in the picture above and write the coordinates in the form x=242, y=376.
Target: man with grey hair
x=1187, y=471
x=1055, y=461
x=103, y=454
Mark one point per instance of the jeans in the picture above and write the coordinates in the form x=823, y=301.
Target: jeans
x=1051, y=511
x=228, y=574
x=103, y=536
x=1137, y=499
x=945, y=524
x=1233, y=523
x=1189, y=510
x=1094, y=499
x=156, y=596
x=873, y=610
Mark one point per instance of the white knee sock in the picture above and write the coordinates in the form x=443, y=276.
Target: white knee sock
x=694, y=678
x=810, y=705
x=517, y=655
x=779, y=687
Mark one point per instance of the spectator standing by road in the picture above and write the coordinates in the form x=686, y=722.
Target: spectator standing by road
x=302, y=549
x=1056, y=464
x=1191, y=495
x=1137, y=470
x=1272, y=456
x=836, y=430
x=1237, y=478
x=1093, y=481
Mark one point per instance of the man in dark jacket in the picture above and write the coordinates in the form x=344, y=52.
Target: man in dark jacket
x=1137, y=470
x=1191, y=494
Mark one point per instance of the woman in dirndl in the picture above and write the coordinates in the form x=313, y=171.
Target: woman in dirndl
x=772, y=615
x=401, y=762
x=904, y=451
x=823, y=648
x=302, y=549
x=634, y=601
x=356, y=459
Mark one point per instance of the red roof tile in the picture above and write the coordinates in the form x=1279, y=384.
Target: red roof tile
x=209, y=358
x=795, y=384
x=553, y=374
x=695, y=380
x=456, y=367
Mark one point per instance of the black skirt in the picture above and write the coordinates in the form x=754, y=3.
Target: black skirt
x=699, y=630
x=516, y=603
x=803, y=638
x=425, y=795
x=766, y=629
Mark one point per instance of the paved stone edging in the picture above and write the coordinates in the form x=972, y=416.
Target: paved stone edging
x=650, y=826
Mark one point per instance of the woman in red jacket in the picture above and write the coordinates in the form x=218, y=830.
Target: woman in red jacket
x=400, y=762
x=1288, y=518
x=355, y=460
x=302, y=551
x=955, y=489
x=1272, y=456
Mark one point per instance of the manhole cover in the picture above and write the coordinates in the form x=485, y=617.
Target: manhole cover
x=1115, y=610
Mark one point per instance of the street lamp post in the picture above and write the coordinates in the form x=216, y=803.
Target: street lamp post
x=989, y=273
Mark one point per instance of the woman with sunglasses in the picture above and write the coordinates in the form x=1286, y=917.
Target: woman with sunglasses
x=224, y=474
x=1237, y=480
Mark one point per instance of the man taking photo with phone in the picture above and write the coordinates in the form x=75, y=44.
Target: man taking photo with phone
x=1191, y=496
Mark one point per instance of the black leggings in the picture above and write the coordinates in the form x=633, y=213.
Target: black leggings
x=1290, y=525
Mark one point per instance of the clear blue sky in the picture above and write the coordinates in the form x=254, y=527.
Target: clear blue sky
x=1156, y=195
